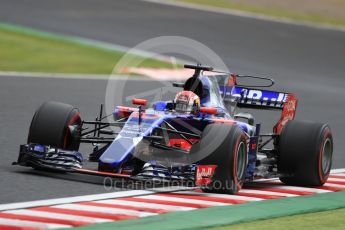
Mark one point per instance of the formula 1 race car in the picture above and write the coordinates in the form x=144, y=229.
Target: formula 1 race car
x=197, y=138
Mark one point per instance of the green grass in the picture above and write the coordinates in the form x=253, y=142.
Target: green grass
x=271, y=11
x=333, y=219
x=35, y=52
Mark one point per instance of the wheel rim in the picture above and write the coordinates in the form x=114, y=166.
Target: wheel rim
x=240, y=160
x=326, y=156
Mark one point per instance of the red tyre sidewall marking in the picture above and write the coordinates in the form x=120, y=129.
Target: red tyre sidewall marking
x=327, y=135
x=237, y=183
x=73, y=119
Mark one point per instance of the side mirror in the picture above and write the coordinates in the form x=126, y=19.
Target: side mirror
x=137, y=101
x=209, y=110
x=178, y=84
x=246, y=116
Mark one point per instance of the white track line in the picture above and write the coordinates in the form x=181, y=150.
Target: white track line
x=338, y=174
x=33, y=224
x=335, y=171
x=302, y=189
x=334, y=185
x=240, y=13
x=182, y=200
x=253, y=191
x=244, y=198
x=173, y=189
x=79, y=207
x=72, y=76
x=171, y=208
x=328, y=183
x=295, y=188
x=57, y=216
x=74, y=199
x=336, y=179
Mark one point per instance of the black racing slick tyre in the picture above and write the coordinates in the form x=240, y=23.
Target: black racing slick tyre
x=305, y=153
x=230, y=157
x=50, y=126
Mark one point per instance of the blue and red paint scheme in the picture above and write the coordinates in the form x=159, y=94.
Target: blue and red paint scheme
x=218, y=94
x=122, y=148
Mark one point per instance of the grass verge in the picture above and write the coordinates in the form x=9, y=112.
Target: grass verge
x=23, y=49
x=309, y=17
x=333, y=219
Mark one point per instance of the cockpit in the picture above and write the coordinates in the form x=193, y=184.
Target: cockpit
x=207, y=88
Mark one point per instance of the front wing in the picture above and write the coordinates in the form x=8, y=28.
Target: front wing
x=58, y=160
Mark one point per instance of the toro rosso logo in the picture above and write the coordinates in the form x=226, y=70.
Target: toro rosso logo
x=291, y=105
x=258, y=97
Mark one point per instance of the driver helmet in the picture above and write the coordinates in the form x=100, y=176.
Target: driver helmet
x=187, y=102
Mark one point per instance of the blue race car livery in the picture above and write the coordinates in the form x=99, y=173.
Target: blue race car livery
x=213, y=145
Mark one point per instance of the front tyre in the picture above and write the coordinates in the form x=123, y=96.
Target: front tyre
x=230, y=156
x=305, y=153
x=51, y=125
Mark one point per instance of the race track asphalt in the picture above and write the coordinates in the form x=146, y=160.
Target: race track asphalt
x=304, y=60
x=20, y=98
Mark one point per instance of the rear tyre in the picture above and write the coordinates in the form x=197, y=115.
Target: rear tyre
x=305, y=153
x=230, y=156
x=50, y=126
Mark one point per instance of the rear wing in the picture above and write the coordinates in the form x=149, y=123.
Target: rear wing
x=255, y=98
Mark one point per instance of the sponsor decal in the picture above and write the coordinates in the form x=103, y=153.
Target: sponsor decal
x=204, y=174
x=288, y=113
x=290, y=105
x=254, y=96
x=254, y=146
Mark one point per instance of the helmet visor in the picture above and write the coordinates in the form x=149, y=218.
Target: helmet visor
x=183, y=107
